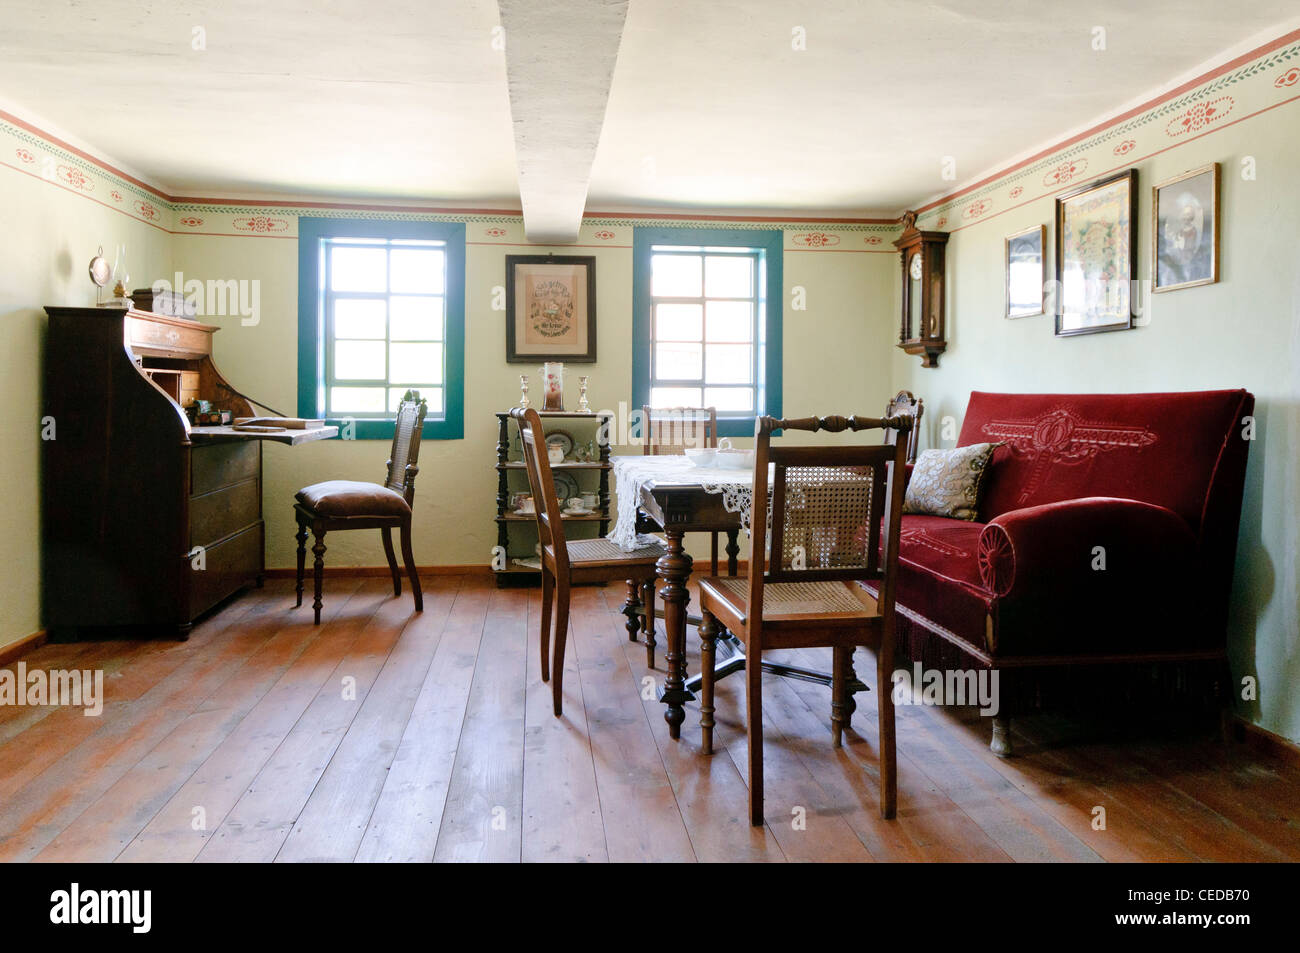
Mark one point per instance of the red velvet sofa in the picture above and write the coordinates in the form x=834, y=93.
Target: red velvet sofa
x=1154, y=480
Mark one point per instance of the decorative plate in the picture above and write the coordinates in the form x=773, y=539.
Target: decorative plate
x=566, y=488
x=560, y=438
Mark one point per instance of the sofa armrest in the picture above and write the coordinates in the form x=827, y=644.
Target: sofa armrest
x=1051, y=553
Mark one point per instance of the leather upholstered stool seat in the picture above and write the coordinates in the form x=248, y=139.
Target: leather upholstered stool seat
x=352, y=498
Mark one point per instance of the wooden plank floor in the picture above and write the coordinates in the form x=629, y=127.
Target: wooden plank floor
x=385, y=735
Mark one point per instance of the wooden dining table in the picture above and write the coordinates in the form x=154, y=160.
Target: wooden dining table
x=678, y=505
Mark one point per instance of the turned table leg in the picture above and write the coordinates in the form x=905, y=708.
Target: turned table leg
x=674, y=568
x=632, y=609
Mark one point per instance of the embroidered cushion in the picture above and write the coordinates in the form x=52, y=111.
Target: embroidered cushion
x=949, y=482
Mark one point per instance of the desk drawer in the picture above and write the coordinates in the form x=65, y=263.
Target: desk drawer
x=230, y=565
x=216, y=515
x=223, y=464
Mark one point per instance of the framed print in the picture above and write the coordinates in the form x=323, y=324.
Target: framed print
x=1185, y=230
x=550, y=308
x=1025, y=272
x=1096, y=258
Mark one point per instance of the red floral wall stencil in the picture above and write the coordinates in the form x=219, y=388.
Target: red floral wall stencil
x=1125, y=147
x=943, y=220
x=604, y=234
x=1199, y=116
x=976, y=209
x=1289, y=78
x=872, y=239
x=494, y=232
x=115, y=195
x=24, y=156
x=1065, y=172
x=1015, y=193
x=147, y=210
x=191, y=222
x=75, y=178
x=815, y=239
x=261, y=223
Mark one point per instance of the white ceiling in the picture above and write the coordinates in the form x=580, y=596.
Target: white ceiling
x=709, y=106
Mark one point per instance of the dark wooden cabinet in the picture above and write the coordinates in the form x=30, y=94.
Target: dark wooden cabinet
x=147, y=522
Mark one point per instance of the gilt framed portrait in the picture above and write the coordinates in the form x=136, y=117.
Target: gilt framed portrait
x=1025, y=270
x=550, y=308
x=1096, y=257
x=1185, y=230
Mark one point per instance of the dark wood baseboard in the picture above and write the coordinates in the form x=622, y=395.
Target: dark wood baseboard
x=354, y=571
x=17, y=649
x=1265, y=741
x=479, y=569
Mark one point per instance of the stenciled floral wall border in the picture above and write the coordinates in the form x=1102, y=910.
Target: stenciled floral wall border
x=1237, y=91
x=26, y=150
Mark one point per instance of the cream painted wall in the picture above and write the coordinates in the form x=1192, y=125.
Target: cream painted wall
x=1242, y=332
x=48, y=238
x=831, y=364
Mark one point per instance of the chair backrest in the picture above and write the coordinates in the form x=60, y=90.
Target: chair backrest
x=905, y=403
x=673, y=429
x=830, y=507
x=550, y=526
x=405, y=453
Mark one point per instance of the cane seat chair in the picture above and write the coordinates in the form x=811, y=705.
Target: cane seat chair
x=566, y=564
x=673, y=430
x=831, y=507
x=347, y=504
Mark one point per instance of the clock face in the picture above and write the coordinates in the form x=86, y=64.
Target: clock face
x=915, y=268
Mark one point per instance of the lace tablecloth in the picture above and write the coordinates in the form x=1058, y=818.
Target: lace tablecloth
x=632, y=474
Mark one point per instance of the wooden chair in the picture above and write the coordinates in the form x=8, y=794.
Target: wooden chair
x=669, y=430
x=346, y=504
x=830, y=506
x=566, y=564
x=905, y=403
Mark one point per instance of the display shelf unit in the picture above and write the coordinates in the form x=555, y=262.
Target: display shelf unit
x=516, y=532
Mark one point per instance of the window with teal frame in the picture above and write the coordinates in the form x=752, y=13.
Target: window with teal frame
x=381, y=309
x=706, y=322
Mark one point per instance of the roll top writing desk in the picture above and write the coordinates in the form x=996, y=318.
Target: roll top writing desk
x=147, y=520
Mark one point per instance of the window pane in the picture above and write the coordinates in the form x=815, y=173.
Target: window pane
x=358, y=360
x=356, y=400
x=676, y=276
x=358, y=317
x=418, y=270
x=730, y=321
x=358, y=269
x=730, y=364
x=678, y=362
x=675, y=397
x=729, y=277
x=433, y=395
x=679, y=322
x=417, y=363
x=415, y=319
x=730, y=399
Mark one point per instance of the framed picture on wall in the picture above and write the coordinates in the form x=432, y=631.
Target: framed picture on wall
x=1026, y=273
x=1185, y=230
x=1096, y=258
x=550, y=308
